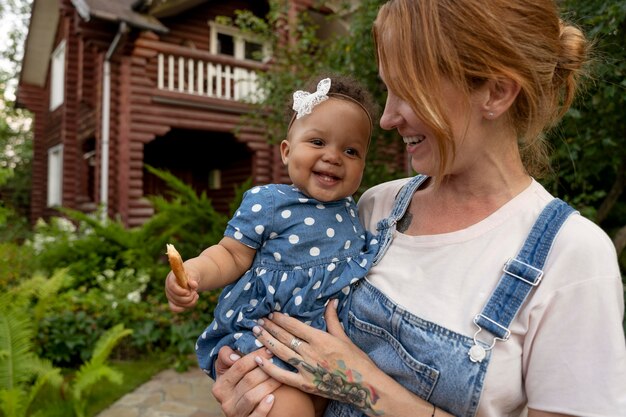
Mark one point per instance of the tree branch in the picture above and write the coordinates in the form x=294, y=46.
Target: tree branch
x=613, y=195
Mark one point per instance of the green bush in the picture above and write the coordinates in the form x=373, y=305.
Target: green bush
x=118, y=274
x=16, y=262
x=24, y=376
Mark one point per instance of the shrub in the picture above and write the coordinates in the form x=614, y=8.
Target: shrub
x=117, y=277
x=16, y=262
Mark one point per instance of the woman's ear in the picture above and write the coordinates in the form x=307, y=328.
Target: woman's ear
x=501, y=95
x=284, y=151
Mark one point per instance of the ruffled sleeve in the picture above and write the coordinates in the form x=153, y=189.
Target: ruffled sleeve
x=252, y=221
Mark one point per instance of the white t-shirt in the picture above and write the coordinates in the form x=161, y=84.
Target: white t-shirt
x=566, y=353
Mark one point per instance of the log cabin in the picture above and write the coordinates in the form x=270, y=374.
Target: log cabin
x=114, y=85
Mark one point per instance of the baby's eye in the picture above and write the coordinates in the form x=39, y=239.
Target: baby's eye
x=317, y=142
x=352, y=152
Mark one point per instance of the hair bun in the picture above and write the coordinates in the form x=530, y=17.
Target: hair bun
x=574, y=48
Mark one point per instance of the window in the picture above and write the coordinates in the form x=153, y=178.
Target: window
x=227, y=40
x=55, y=175
x=215, y=179
x=57, y=76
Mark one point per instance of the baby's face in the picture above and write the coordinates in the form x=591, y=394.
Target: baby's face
x=325, y=150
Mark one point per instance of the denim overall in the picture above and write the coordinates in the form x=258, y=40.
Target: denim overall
x=443, y=367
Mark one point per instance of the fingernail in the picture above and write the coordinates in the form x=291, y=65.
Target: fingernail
x=269, y=352
x=258, y=360
x=234, y=357
x=261, y=322
x=256, y=330
x=271, y=316
x=335, y=303
x=269, y=399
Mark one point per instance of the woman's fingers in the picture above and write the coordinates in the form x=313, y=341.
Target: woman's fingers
x=285, y=328
x=241, y=387
x=294, y=379
x=226, y=358
x=277, y=340
x=333, y=325
x=264, y=407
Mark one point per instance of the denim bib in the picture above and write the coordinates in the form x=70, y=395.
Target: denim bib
x=441, y=366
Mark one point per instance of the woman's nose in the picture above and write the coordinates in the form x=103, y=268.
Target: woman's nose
x=390, y=118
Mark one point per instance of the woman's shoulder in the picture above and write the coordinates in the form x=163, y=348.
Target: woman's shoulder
x=581, y=235
x=580, y=241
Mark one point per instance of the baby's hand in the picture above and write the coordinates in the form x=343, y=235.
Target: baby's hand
x=180, y=298
x=181, y=291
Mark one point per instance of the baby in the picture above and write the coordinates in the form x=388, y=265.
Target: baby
x=291, y=248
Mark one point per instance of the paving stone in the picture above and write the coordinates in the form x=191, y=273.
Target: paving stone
x=206, y=414
x=169, y=394
x=175, y=408
x=132, y=399
x=120, y=412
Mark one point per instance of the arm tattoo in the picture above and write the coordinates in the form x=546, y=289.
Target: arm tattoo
x=342, y=384
x=404, y=223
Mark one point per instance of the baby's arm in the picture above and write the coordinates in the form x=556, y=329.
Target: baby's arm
x=215, y=267
x=221, y=264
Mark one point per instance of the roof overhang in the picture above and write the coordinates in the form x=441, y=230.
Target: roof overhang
x=44, y=22
x=118, y=11
x=166, y=8
x=39, y=41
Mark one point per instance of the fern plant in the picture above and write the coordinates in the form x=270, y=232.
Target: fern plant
x=22, y=374
x=97, y=369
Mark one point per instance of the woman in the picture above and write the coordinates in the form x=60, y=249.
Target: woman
x=439, y=326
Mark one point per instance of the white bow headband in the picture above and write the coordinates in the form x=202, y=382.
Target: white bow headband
x=303, y=101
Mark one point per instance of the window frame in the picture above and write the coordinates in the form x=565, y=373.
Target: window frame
x=57, y=75
x=54, y=195
x=239, y=42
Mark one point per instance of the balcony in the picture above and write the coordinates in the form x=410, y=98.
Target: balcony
x=191, y=72
x=206, y=78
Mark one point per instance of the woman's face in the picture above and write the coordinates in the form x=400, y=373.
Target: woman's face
x=421, y=142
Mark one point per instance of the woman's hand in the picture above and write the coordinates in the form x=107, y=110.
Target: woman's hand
x=241, y=388
x=328, y=364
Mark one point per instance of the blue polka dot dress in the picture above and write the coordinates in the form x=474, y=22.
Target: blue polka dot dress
x=308, y=252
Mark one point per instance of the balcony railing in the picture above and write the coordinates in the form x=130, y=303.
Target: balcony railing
x=199, y=77
x=191, y=71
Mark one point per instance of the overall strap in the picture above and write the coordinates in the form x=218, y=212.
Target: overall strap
x=386, y=226
x=401, y=203
x=520, y=275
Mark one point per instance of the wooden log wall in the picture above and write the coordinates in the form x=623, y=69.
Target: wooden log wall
x=139, y=114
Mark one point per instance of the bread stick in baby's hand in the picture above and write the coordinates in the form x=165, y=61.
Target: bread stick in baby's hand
x=176, y=263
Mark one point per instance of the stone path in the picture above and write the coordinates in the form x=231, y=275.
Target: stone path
x=169, y=394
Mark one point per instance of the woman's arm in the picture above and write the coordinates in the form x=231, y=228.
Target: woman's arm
x=330, y=365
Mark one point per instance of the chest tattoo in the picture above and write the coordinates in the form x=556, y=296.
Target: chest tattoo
x=404, y=222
